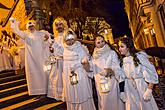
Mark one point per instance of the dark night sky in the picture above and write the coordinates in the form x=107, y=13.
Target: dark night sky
x=112, y=10
x=119, y=20
x=114, y=13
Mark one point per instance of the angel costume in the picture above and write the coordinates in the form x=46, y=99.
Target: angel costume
x=79, y=96
x=55, y=83
x=34, y=59
x=136, y=82
x=5, y=63
x=106, y=58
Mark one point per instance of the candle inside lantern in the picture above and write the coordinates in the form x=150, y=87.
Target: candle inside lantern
x=47, y=67
x=104, y=85
x=73, y=78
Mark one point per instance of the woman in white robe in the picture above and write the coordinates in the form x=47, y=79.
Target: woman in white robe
x=55, y=83
x=140, y=77
x=5, y=63
x=34, y=57
x=105, y=58
x=78, y=96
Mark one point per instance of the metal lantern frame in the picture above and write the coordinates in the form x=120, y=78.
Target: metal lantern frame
x=104, y=85
x=73, y=78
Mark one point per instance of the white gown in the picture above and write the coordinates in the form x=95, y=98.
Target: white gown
x=35, y=50
x=79, y=96
x=107, y=58
x=136, y=82
x=5, y=63
x=55, y=83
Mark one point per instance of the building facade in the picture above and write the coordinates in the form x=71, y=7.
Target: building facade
x=147, y=22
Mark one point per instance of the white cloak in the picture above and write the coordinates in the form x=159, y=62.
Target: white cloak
x=79, y=96
x=136, y=82
x=107, y=58
x=35, y=53
x=55, y=83
x=5, y=63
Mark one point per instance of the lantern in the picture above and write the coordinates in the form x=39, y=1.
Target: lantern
x=47, y=67
x=48, y=63
x=73, y=78
x=104, y=84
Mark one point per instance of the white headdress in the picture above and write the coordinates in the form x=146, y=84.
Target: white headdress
x=69, y=34
x=30, y=23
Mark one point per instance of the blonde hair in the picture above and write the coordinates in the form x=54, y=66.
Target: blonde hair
x=63, y=21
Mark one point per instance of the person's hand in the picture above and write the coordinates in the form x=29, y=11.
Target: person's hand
x=12, y=20
x=14, y=24
x=109, y=72
x=46, y=37
x=72, y=68
x=84, y=61
x=103, y=73
x=147, y=95
x=123, y=96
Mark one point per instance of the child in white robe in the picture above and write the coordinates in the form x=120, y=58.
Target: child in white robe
x=140, y=77
x=105, y=62
x=77, y=96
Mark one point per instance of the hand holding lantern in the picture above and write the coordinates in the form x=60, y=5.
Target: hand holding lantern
x=48, y=63
x=108, y=72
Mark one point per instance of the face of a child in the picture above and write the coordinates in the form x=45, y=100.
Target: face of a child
x=70, y=42
x=99, y=43
x=123, y=49
x=70, y=39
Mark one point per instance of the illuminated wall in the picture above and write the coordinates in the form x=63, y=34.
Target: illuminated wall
x=146, y=18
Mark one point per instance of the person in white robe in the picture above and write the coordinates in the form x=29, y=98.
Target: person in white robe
x=78, y=96
x=5, y=63
x=140, y=76
x=55, y=83
x=35, y=50
x=105, y=62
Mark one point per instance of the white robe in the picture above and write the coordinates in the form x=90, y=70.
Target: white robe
x=135, y=83
x=35, y=50
x=5, y=63
x=107, y=58
x=55, y=83
x=79, y=96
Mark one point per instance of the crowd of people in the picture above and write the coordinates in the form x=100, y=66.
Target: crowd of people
x=124, y=79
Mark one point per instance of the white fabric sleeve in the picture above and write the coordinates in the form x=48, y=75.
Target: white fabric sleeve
x=82, y=52
x=15, y=28
x=48, y=34
x=58, y=50
x=113, y=63
x=149, y=72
